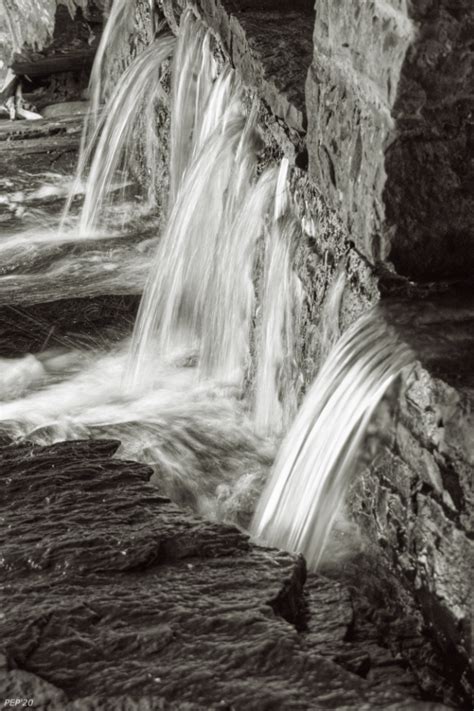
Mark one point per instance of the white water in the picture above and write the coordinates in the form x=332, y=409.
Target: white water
x=120, y=131
x=276, y=379
x=120, y=22
x=182, y=295
x=190, y=419
x=193, y=76
x=106, y=245
x=314, y=465
x=183, y=395
x=194, y=433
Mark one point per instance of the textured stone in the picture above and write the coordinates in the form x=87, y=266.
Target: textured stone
x=112, y=595
x=415, y=495
x=358, y=51
x=389, y=121
x=150, y=610
x=30, y=329
x=269, y=43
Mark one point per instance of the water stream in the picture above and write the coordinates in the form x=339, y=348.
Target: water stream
x=317, y=458
x=208, y=383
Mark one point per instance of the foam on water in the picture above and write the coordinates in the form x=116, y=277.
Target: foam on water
x=195, y=433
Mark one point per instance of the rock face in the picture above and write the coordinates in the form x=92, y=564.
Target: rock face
x=139, y=605
x=270, y=43
x=415, y=497
x=389, y=122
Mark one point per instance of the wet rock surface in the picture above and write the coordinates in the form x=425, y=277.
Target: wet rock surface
x=389, y=127
x=116, y=599
x=270, y=44
x=415, y=497
x=70, y=322
x=113, y=596
x=49, y=144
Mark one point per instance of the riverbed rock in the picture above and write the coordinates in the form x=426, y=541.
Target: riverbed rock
x=112, y=595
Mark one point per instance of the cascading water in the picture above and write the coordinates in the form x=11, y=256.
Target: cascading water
x=306, y=488
x=35, y=254
x=213, y=172
x=193, y=406
x=194, y=430
x=119, y=23
x=112, y=147
x=173, y=312
x=329, y=331
x=276, y=374
x=225, y=343
x=193, y=75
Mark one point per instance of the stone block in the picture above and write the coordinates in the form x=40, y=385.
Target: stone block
x=389, y=125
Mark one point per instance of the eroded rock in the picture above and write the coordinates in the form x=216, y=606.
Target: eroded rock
x=110, y=592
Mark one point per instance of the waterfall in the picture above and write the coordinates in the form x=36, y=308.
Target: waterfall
x=193, y=75
x=281, y=296
x=329, y=330
x=307, y=485
x=109, y=138
x=175, y=306
x=216, y=206
x=119, y=22
x=225, y=344
x=218, y=329
x=129, y=112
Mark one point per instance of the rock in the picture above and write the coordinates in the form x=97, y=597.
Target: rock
x=269, y=44
x=65, y=108
x=31, y=328
x=389, y=121
x=141, y=605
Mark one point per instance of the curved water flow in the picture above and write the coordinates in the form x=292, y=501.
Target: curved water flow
x=113, y=146
x=119, y=22
x=306, y=488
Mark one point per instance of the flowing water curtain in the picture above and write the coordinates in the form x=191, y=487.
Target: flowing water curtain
x=275, y=391
x=310, y=476
x=118, y=27
x=225, y=343
x=193, y=74
x=174, y=311
x=213, y=163
x=329, y=330
x=113, y=148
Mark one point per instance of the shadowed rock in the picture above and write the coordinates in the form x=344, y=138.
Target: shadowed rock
x=389, y=127
x=110, y=591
